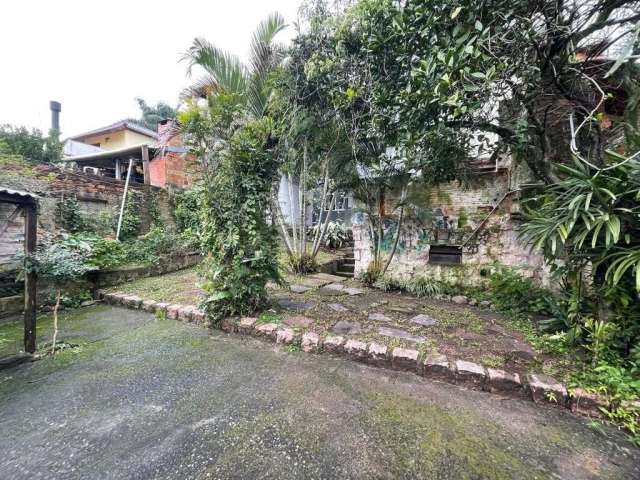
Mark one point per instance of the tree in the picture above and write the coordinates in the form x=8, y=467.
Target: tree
x=61, y=263
x=224, y=72
x=30, y=144
x=150, y=115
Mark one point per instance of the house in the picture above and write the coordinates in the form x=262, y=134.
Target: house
x=156, y=158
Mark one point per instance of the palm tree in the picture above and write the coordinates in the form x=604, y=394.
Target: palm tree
x=225, y=72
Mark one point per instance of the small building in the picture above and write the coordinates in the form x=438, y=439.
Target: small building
x=157, y=158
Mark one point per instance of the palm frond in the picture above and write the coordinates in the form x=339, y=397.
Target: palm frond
x=225, y=70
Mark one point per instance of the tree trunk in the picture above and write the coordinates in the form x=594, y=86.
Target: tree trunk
x=395, y=242
x=292, y=215
x=55, y=322
x=317, y=236
x=324, y=227
x=303, y=207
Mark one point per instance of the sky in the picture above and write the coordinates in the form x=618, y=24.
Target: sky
x=96, y=57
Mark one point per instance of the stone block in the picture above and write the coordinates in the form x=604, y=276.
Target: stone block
x=173, y=311
x=586, y=403
x=199, y=317
x=148, y=306
x=229, y=325
x=356, y=349
x=404, y=359
x=437, y=366
x=311, y=342
x=460, y=299
x=546, y=389
x=266, y=330
x=334, y=344
x=132, y=301
x=285, y=336
x=184, y=313
x=470, y=374
x=499, y=381
x=120, y=298
x=378, y=354
x=246, y=325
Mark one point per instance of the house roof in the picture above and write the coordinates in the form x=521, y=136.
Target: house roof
x=116, y=127
x=7, y=194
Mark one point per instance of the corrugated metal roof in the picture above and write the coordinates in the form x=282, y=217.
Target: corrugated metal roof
x=19, y=193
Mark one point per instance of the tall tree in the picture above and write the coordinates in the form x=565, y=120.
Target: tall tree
x=151, y=115
x=225, y=72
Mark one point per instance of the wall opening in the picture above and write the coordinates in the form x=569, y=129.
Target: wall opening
x=445, y=254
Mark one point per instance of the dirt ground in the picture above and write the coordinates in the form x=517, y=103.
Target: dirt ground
x=458, y=331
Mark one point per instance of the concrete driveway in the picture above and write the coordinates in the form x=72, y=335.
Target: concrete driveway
x=146, y=398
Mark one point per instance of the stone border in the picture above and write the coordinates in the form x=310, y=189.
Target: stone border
x=541, y=389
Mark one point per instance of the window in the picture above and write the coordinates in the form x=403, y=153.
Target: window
x=445, y=254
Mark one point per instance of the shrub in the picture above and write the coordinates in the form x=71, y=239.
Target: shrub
x=510, y=291
x=421, y=286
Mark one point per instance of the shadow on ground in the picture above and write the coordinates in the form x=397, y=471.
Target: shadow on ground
x=148, y=398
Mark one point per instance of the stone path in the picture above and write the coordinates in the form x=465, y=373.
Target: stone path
x=145, y=398
x=401, y=334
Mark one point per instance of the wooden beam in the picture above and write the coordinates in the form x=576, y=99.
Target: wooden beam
x=30, y=238
x=145, y=165
x=118, y=170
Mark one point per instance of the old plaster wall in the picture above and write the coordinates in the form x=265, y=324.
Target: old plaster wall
x=448, y=215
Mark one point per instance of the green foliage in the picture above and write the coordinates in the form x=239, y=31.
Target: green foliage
x=512, y=292
x=71, y=216
x=301, y=263
x=151, y=115
x=241, y=246
x=336, y=235
x=30, y=144
x=61, y=262
x=187, y=212
x=419, y=285
x=131, y=219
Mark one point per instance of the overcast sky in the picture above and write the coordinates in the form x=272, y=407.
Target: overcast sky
x=96, y=57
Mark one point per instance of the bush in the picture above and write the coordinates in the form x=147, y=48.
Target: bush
x=512, y=292
x=420, y=286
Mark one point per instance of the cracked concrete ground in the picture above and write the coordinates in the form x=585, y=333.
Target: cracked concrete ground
x=147, y=398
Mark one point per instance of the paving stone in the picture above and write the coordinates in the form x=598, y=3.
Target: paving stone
x=437, y=366
x=354, y=291
x=404, y=359
x=484, y=304
x=460, y=299
x=328, y=277
x=285, y=336
x=338, y=307
x=184, y=314
x=424, y=320
x=311, y=342
x=172, y=311
x=344, y=327
x=330, y=292
x=229, y=325
x=334, y=344
x=289, y=304
x=148, y=305
x=267, y=330
x=335, y=286
x=312, y=282
x=378, y=354
x=298, y=321
x=378, y=317
x=473, y=302
x=586, y=403
x=356, y=349
x=299, y=288
x=246, y=325
x=499, y=381
x=401, y=334
x=546, y=389
x=520, y=351
x=470, y=374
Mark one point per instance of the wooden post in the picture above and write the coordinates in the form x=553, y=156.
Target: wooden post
x=30, y=279
x=118, y=170
x=145, y=165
